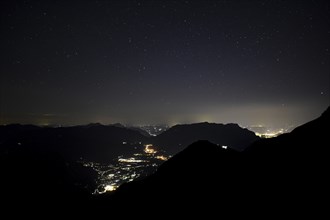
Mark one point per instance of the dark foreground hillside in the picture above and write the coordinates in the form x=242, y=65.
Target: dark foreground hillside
x=283, y=174
x=287, y=174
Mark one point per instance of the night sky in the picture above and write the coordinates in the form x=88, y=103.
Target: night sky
x=152, y=62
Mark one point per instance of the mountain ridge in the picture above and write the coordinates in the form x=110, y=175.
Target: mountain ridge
x=276, y=173
x=231, y=135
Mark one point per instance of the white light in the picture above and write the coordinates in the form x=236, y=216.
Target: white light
x=110, y=188
x=130, y=160
x=161, y=157
x=224, y=147
x=148, y=149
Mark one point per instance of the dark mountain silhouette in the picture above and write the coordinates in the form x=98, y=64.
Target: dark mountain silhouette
x=39, y=166
x=286, y=174
x=35, y=182
x=178, y=137
x=100, y=143
x=14, y=130
x=93, y=142
x=141, y=131
x=278, y=175
x=118, y=125
x=41, y=163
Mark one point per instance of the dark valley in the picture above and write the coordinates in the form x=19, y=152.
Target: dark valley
x=43, y=164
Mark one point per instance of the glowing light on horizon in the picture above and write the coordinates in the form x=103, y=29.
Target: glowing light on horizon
x=269, y=135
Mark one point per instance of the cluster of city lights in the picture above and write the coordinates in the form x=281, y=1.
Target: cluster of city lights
x=126, y=168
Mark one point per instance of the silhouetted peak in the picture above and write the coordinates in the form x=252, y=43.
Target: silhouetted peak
x=326, y=114
x=141, y=131
x=234, y=125
x=179, y=136
x=203, y=149
x=118, y=125
x=20, y=126
x=201, y=156
x=12, y=125
x=270, y=170
x=196, y=146
x=306, y=140
x=206, y=124
x=90, y=125
x=317, y=126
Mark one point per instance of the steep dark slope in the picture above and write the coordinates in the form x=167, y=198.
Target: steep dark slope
x=178, y=137
x=188, y=174
x=295, y=164
x=307, y=139
x=287, y=173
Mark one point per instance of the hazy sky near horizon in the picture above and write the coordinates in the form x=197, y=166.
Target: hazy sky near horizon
x=152, y=62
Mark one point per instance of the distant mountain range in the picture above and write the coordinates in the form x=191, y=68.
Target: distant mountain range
x=93, y=142
x=178, y=137
x=286, y=173
x=218, y=173
x=34, y=160
x=97, y=142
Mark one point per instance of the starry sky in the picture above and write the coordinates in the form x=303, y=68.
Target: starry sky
x=153, y=62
